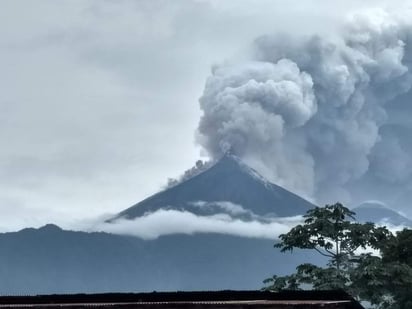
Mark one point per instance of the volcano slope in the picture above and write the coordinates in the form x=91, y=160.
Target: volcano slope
x=231, y=181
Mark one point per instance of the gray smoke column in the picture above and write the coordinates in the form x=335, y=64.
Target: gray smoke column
x=309, y=113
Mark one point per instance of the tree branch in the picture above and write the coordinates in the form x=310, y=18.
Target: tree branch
x=324, y=254
x=330, y=252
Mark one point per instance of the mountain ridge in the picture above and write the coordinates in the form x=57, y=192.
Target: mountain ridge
x=374, y=211
x=33, y=260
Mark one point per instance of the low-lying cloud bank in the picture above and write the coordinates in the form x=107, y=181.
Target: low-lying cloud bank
x=166, y=222
x=226, y=221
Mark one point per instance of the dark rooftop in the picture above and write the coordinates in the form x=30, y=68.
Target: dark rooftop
x=220, y=299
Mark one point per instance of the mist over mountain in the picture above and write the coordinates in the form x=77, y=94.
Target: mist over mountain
x=230, y=198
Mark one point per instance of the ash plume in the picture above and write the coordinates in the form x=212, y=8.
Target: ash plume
x=199, y=167
x=318, y=115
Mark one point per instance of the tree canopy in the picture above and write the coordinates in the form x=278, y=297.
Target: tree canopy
x=350, y=247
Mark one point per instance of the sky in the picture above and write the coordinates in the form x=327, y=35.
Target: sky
x=99, y=100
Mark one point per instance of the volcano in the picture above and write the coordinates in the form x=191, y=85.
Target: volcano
x=374, y=211
x=32, y=260
x=228, y=186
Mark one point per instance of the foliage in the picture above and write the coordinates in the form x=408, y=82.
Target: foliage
x=283, y=283
x=399, y=248
x=396, y=269
x=385, y=284
x=331, y=231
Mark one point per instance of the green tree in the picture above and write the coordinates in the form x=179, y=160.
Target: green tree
x=387, y=280
x=333, y=233
x=386, y=285
x=398, y=248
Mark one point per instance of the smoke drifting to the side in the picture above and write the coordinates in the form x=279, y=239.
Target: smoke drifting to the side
x=198, y=168
x=323, y=117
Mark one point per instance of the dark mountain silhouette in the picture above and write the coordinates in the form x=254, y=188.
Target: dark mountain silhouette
x=229, y=180
x=51, y=260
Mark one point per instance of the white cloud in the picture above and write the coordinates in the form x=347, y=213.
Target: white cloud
x=165, y=222
x=228, y=207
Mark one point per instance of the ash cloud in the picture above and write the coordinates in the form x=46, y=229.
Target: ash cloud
x=199, y=167
x=317, y=115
